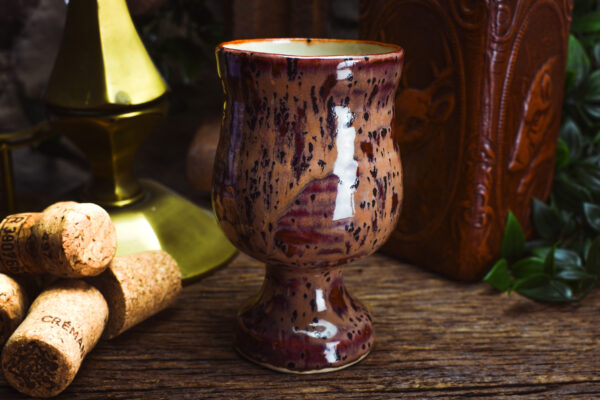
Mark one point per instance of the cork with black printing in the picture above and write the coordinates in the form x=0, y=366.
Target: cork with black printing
x=18, y=246
x=42, y=357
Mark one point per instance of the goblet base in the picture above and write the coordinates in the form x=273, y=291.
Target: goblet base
x=304, y=321
x=291, y=371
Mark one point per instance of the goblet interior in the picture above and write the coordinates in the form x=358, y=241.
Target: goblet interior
x=307, y=178
x=309, y=48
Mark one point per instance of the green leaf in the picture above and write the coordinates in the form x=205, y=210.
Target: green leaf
x=542, y=252
x=532, y=245
x=562, y=289
x=587, y=244
x=593, y=110
x=527, y=266
x=513, y=242
x=549, y=264
x=576, y=109
x=544, y=293
x=591, y=92
x=571, y=134
x=570, y=224
x=499, y=277
x=578, y=242
x=566, y=257
x=569, y=80
x=530, y=281
x=542, y=288
x=574, y=274
x=592, y=262
x=588, y=175
x=577, y=61
x=596, y=53
x=546, y=219
x=569, y=194
x=586, y=288
x=593, y=159
x=592, y=215
x=589, y=23
x=562, y=154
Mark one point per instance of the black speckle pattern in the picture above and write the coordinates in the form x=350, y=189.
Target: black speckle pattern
x=283, y=195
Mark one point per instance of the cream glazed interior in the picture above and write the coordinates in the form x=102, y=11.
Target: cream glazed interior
x=311, y=47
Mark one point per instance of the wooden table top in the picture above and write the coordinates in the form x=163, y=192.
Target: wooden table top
x=434, y=339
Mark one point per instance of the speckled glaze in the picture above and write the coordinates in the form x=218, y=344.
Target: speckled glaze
x=307, y=177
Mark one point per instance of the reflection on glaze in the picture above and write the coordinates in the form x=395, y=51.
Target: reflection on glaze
x=330, y=352
x=327, y=330
x=320, y=300
x=344, y=71
x=345, y=166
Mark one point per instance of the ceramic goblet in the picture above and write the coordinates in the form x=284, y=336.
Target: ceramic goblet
x=307, y=178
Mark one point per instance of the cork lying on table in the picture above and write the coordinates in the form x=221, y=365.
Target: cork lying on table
x=137, y=286
x=13, y=306
x=17, y=244
x=68, y=239
x=64, y=323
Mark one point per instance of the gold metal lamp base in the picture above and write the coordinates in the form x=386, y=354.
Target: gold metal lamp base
x=106, y=95
x=147, y=215
x=164, y=220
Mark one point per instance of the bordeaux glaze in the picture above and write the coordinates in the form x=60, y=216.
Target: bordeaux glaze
x=307, y=177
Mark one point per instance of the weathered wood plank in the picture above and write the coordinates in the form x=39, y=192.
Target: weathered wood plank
x=435, y=339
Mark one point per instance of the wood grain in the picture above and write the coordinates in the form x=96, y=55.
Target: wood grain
x=434, y=339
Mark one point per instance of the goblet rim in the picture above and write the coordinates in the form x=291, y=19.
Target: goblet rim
x=394, y=49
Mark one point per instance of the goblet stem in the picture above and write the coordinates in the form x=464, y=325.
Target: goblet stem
x=304, y=321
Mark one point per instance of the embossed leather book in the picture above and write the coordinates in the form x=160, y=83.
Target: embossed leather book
x=477, y=119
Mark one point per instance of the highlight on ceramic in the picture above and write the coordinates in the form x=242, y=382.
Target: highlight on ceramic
x=307, y=178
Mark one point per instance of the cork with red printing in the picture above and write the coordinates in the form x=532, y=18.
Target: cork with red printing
x=43, y=355
x=137, y=286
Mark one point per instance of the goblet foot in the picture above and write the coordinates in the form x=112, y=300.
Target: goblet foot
x=304, y=321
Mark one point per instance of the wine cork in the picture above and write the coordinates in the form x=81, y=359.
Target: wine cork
x=64, y=323
x=18, y=245
x=68, y=239
x=13, y=306
x=137, y=286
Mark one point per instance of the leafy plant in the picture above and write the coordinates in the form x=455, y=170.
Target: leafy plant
x=563, y=263
x=554, y=273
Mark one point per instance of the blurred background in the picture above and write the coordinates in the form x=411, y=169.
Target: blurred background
x=180, y=36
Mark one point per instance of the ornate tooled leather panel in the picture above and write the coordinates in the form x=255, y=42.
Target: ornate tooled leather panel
x=477, y=119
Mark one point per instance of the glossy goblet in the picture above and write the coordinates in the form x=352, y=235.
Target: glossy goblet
x=307, y=178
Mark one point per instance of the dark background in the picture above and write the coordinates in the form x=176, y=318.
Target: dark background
x=180, y=36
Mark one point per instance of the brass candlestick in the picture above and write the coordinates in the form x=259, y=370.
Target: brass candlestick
x=106, y=95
